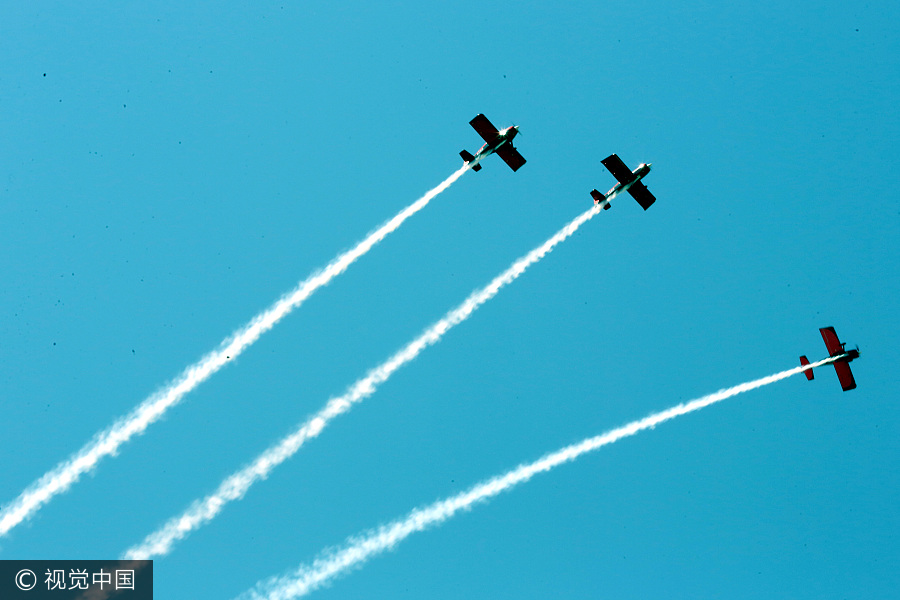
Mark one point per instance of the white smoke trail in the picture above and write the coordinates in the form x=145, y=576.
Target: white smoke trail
x=360, y=548
x=236, y=485
x=107, y=442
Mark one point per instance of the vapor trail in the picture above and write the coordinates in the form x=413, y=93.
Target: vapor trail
x=236, y=485
x=107, y=442
x=360, y=548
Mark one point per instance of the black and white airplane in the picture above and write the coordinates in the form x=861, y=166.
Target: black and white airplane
x=499, y=142
x=629, y=181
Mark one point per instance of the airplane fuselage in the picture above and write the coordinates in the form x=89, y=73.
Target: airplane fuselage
x=505, y=136
x=851, y=354
x=639, y=173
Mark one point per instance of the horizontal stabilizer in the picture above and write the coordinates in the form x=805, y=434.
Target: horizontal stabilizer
x=467, y=156
x=598, y=198
x=803, y=362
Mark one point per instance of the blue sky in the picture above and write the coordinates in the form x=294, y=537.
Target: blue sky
x=170, y=170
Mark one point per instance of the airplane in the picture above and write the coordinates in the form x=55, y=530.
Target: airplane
x=629, y=181
x=841, y=367
x=499, y=142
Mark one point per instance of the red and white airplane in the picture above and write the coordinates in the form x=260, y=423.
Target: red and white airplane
x=841, y=366
x=495, y=142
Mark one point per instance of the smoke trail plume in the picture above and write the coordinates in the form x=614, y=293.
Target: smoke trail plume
x=107, y=442
x=236, y=485
x=360, y=548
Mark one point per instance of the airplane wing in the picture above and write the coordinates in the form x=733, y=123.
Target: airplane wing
x=484, y=128
x=510, y=156
x=841, y=367
x=831, y=341
x=619, y=170
x=640, y=193
x=844, y=375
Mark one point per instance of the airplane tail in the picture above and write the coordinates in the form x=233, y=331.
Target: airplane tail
x=466, y=156
x=598, y=198
x=803, y=362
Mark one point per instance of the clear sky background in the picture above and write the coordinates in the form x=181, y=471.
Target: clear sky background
x=168, y=170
